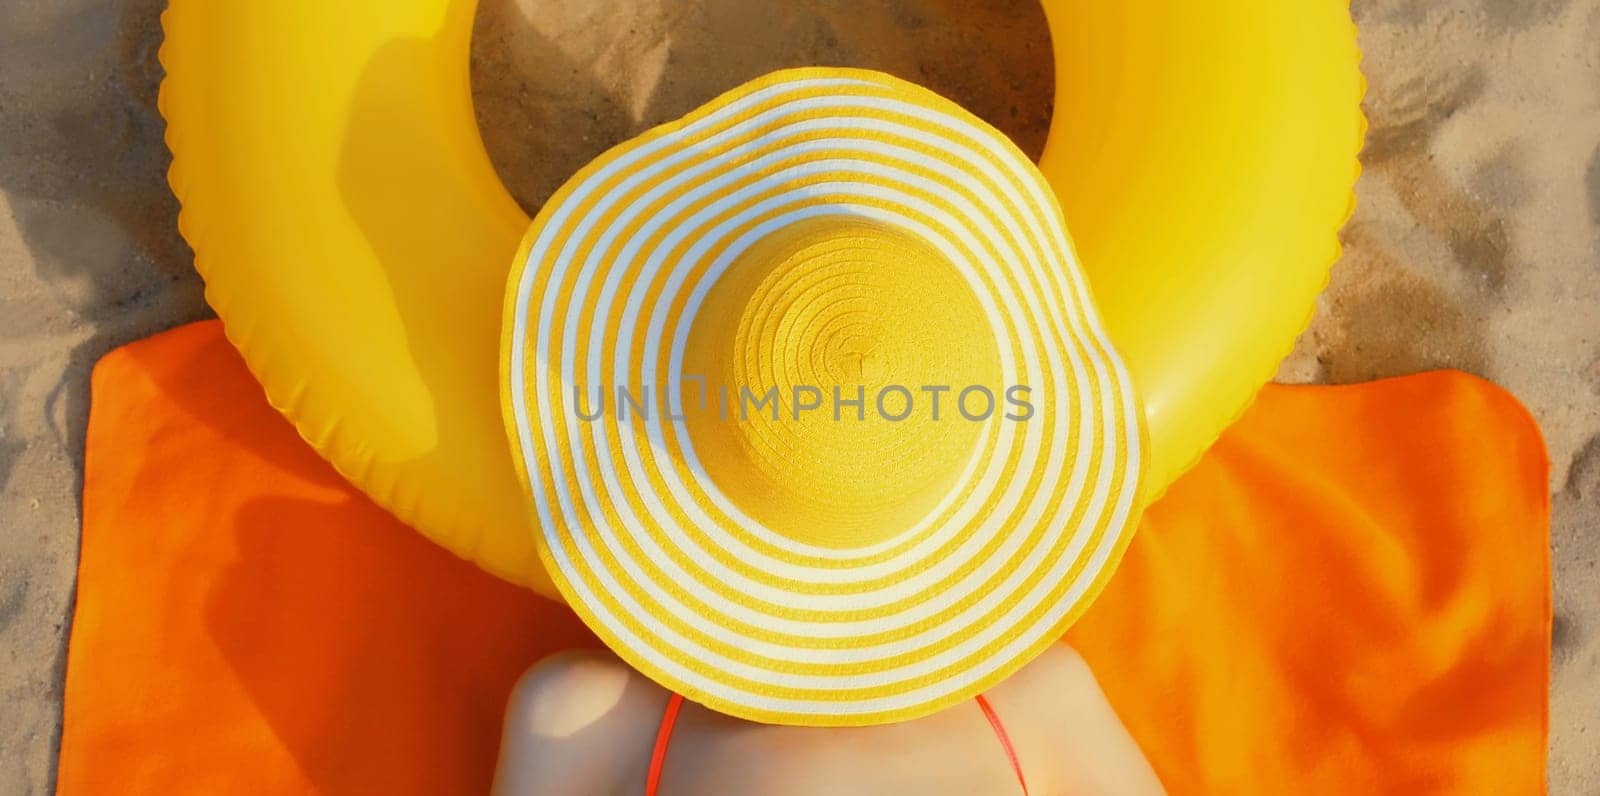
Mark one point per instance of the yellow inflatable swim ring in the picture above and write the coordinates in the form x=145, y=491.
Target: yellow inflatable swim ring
x=355, y=239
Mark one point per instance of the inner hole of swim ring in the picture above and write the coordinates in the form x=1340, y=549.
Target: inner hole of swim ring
x=834, y=352
x=557, y=82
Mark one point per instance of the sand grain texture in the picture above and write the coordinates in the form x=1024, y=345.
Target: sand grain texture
x=1477, y=244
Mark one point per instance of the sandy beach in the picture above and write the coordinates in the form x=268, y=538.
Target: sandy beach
x=1476, y=245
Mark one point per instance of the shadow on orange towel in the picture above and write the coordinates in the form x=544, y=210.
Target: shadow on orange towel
x=1348, y=595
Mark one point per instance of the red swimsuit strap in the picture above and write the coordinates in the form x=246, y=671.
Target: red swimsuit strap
x=669, y=717
x=1005, y=741
x=658, y=756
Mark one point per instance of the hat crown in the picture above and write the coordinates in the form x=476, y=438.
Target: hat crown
x=836, y=349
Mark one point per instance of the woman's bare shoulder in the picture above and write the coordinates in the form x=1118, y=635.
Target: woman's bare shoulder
x=1059, y=664
x=577, y=722
x=572, y=690
x=1068, y=731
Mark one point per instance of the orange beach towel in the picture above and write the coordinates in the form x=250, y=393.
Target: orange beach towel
x=1350, y=594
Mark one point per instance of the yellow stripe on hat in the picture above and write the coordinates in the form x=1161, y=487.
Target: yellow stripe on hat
x=724, y=344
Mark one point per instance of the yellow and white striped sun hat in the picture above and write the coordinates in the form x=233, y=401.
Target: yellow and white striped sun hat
x=818, y=420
